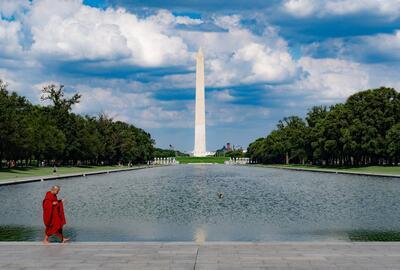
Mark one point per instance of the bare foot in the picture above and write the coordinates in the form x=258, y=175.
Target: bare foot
x=65, y=240
x=46, y=242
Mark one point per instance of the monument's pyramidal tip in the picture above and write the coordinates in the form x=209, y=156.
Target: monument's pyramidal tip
x=200, y=118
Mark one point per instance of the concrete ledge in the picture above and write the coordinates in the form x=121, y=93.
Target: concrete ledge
x=208, y=243
x=71, y=175
x=200, y=163
x=327, y=171
x=191, y=255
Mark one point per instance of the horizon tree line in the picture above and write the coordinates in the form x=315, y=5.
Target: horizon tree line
x=31, y=134
x=364, y=130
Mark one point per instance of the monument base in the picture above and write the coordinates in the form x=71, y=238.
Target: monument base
x=200, y=154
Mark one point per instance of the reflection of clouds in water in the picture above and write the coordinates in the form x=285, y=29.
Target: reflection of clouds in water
x=180, y=203
x=200, y=235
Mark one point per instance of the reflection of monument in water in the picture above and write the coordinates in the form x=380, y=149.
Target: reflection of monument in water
x=200, y=118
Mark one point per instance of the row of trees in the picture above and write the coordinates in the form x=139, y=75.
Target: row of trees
x=32, y=133
x=165, y=153
x=365, y=130
x=236, y=153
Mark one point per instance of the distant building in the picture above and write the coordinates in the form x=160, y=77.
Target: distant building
x=228, y=147
x=225, y=149
x=221, y=152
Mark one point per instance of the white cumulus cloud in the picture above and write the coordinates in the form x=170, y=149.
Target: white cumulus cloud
x=8, y=8
x=238, y=56
x=331, y=79
x=73, y=31
x=300, y=8
x=223, y=96
x=321, y=8
x=9, y=40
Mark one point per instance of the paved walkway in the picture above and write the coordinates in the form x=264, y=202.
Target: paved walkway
x=327, y=171
x=218, y=255
x=22, y=180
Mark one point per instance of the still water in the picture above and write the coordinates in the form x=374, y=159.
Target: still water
x=181, y=203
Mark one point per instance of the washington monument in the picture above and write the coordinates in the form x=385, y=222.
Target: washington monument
x=200, y=120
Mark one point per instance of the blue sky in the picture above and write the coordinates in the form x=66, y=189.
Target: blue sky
x=134, y=60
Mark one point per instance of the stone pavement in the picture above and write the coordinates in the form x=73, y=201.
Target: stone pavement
x=282, y=167
x=210, y=255
x=21, y=180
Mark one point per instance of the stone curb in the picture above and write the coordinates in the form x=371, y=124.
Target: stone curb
x=328, y=171
x=64, y=176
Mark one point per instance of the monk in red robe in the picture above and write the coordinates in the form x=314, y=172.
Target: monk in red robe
x=53, y=215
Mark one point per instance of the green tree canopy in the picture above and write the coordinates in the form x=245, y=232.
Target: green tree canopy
x=363, y=130
x=55, y=134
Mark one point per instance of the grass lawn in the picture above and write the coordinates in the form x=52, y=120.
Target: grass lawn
x=14, y=173
x=384, y=236
x=361, y=169
x=186, y=160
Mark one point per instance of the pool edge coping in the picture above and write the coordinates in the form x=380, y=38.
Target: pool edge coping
x=324, y=171
x=8, y=182
x=207, y=243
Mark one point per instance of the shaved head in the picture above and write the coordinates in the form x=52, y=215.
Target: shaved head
x=55, y=189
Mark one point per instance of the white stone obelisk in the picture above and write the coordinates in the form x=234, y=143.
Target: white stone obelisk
x=200, y=120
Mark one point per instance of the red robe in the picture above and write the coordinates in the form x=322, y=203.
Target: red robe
x=53, y=215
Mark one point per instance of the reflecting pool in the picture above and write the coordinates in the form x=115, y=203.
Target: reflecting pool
x=184, y=203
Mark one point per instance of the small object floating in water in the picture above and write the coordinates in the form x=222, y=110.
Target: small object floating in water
x=220, y=195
